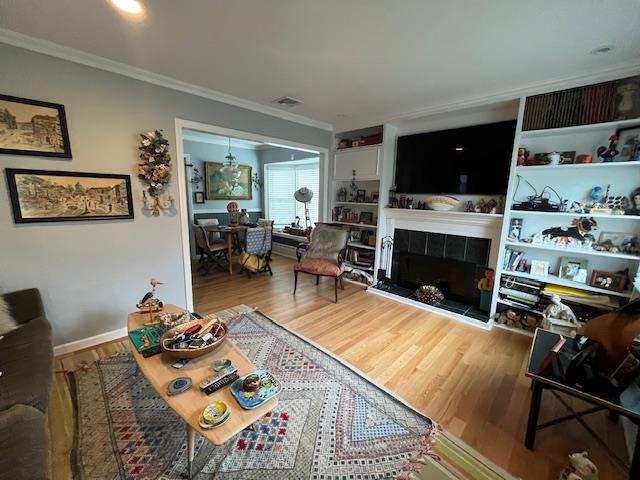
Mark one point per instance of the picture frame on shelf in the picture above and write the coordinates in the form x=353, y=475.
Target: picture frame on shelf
x=366, y=218
x=614, y=281
x=355, y=235
x=361, y=195
x=33, y=127
x=198, y=197
x=539, y=268
x=574, y=269
x=364, y=237
x=59, y=196
x=374, y=197
x=515, y=229
x=628, y=144
x=616, y=239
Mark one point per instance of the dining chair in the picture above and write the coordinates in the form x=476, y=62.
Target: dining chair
x=211, y=253
x=256, y=255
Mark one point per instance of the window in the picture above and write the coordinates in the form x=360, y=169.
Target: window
x=281, y=182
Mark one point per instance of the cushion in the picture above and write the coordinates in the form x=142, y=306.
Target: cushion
x=319, y=266
x=26, y=362
x=208, y=222
x=7, y=323
x=24, y=443
x=327, y=242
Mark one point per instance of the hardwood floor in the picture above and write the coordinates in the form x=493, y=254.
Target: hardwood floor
x=468, y=380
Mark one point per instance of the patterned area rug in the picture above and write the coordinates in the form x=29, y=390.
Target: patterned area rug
x=330, y=423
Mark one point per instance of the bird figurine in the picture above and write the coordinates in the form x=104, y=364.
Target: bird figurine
x=596, y=193
x=607, y=154
x=148, y=301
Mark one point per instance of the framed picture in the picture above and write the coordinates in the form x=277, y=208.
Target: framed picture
x=355, y=235
x=616, y=239
x=628, y=144
x=366, y=217
x=49, y=196
x=374, y=197
x=32, y=127
x=217, y=187
x=198, y=197
x=361, y=196
x=566, y=158
x=515, y=229
x=609, y=280
x=573, y=269
x=539, y=268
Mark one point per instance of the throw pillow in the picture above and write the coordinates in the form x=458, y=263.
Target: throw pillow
x=326, y=243
x=7, y=323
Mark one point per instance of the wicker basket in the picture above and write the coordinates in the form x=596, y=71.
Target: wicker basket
x=195, y=352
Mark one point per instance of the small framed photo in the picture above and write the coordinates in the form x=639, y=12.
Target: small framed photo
x=616, y=239
x=198, y=197
x=366, y=217
x=573, y=269
x=374, y=197
x=360, y=196
x=614, y=281
x=628, y=144
x=539, y=268
x=355, y=235
x=515, y=229
x=33, y=127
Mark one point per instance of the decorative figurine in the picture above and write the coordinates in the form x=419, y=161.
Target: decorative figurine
x=469, y=208
x=607, y=154
x=523, y=155
x=149, y=303
x=596, y=193
x=579, y=468
x=485, y=285
x=429, y=294
x=581, y=229
x=559, y=318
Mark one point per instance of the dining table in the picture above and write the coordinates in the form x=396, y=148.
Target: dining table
x=229, y=231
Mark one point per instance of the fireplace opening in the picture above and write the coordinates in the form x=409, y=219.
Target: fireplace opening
x=452, y=263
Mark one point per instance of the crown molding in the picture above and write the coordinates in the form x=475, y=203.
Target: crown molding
x=78, y=56
x=620, y=70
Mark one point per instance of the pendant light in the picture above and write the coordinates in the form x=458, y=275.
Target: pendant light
x=231, y=171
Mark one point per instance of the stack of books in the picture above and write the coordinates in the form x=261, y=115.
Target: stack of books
x=512, y=259
x=362, y=258
x=522, y=292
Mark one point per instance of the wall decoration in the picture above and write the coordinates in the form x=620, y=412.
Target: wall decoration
x=50, y=196
x=198, y=197
x=629, y=144
x=219, y=188
x=615, y=281
x=366, y=217
x=32, y=127
x=361, y=196
x=515, y=229
x=155, y=169
x=573, y=269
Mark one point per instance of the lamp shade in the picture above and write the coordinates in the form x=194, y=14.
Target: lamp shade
x=303, y=195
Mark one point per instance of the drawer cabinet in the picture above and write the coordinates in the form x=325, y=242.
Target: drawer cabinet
x=364, y=160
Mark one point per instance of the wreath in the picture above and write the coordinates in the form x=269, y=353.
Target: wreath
x=155, y=165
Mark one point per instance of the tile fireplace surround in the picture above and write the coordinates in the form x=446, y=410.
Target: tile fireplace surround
x=448, y=227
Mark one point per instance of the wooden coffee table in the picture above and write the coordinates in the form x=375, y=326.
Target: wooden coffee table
x=190, y=404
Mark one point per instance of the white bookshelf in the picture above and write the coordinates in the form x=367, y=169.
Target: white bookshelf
x=572, y=251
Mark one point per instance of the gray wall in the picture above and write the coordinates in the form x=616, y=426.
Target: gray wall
x=91, y=274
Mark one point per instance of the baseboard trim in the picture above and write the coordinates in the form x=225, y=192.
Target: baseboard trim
x=89, y=342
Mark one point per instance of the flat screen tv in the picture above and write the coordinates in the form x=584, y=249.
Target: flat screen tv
x=469, y=160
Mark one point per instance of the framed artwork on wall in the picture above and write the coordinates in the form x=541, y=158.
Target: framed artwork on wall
x=198, y=197
x=217, y=187
x=50, y=196
x=32, y=127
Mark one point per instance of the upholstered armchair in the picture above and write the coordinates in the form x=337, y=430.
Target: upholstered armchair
x=324, y=256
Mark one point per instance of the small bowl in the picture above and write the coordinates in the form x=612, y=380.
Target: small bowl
x=220, y=364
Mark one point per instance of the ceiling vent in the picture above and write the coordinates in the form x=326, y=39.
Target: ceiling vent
x=287, y=101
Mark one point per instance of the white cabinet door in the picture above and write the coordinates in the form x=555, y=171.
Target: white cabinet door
x=365, y=161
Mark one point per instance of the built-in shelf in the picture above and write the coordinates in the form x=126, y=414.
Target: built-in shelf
x=361, y=225
x=448, y=212
x=573, y=214
x=521, y=331
x=369, y=204
x=359, y=267
x=356, y=149
x=608, y=126
x=567, y=283
x=573, y=251
x=362, y=246
x=578, y=166
x=505, y=301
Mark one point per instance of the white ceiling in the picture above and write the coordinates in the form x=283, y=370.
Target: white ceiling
x=349, y=61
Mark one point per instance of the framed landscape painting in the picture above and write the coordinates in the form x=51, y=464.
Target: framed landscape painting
x=219, y=188
x=48, y=196
x=32, y=127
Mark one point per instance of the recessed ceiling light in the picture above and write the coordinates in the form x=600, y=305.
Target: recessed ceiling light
x=602, y=49
x=459, y=149
x=133, y=7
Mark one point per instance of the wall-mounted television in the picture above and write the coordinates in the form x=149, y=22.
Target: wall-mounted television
x=470, y=160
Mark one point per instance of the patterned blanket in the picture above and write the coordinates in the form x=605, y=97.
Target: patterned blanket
x=330, y=422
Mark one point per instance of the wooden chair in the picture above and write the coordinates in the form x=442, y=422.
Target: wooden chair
x=325, y=255
x=211, y=253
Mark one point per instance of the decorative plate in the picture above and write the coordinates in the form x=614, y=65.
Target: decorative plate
x=269, y=388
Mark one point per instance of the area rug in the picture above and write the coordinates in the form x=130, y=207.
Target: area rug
x=330, y=423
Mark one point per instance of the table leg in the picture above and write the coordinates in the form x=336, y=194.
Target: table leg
x=534, y=411
x=191, y=444
x=634, y=470
x=230, y=252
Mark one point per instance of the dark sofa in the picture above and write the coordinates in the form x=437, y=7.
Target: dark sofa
x=26, y=363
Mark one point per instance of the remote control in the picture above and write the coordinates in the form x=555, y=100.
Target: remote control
x=222, y=373
x=222, y=382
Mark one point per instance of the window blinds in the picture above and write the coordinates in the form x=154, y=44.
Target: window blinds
x=282, y=181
